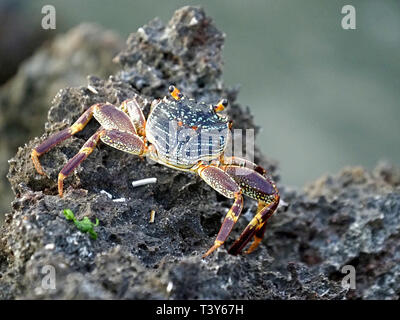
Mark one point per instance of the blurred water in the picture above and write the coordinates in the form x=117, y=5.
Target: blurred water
x=325, y=97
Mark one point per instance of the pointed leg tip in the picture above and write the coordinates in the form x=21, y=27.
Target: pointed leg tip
x=250, y=250
x=40, y=171
x=254, y=245
x=60, y=192
x=35, y=159
x=61, y=178
x=212, y=249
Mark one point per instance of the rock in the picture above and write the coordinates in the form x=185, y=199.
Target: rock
x=351, y=218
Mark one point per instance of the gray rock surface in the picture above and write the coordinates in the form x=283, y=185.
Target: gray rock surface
x=350, y=218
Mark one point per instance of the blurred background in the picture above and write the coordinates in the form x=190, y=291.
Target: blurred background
x=325, y=97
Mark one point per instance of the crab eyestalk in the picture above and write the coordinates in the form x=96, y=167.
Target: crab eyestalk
x=175, y=93
x=221, y=105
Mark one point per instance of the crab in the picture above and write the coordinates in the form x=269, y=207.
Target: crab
x=171, y=136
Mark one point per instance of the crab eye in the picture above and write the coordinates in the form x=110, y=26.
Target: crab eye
x=221, y=105
x=175, y=93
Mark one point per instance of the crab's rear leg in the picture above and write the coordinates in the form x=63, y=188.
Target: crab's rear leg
x=224, y=184
x=260, y=230
x=59, y=137
x=257, y=186
x=255, y=228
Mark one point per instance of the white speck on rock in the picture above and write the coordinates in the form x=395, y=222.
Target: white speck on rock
x=143, y=182
x=106, y=193
x=92, y=89
x=49, y=246
x=193, y=22
x=169, y=286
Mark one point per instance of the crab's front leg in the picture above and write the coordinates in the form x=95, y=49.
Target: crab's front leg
x=135, y=113
x=224, y=184
x=259, y=187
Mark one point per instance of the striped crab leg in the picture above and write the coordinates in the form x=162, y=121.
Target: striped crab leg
x=83, y=153
x=255, y=184
x=255, y=228
x=118, y=129
x=59, y=137
x=224, y=184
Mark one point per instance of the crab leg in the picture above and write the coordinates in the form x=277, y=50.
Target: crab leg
x=230, y=219
x=260, y=230
x=257, y=186
x=83, y=153
x=121, y=130
x=254, y=228
x=241, y=162
x=59, y=137
x=224, y=184
x=132, y=108
x=124, y=141
x=258, y=236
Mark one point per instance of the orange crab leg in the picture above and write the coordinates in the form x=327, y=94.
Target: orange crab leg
x=254, y=228
x=59, y=137
x=258, y=236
